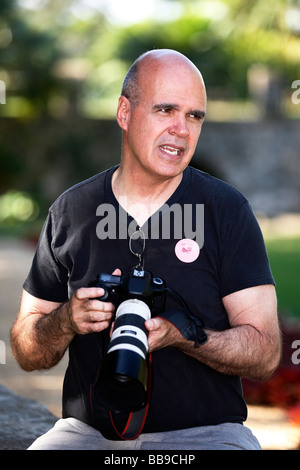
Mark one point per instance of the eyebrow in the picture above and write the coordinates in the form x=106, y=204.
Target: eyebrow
x=197, y=112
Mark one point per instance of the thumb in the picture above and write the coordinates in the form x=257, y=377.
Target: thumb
x=154, y=323
x=117, y=272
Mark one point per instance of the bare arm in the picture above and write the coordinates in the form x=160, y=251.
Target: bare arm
x=250, y=348
x=43, y=330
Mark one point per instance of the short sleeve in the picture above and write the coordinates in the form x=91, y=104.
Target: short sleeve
x=47, y=279
x=244, y=260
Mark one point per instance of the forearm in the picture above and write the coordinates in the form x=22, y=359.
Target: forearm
x=241, y=351
x=43, y=330
x=40, y=341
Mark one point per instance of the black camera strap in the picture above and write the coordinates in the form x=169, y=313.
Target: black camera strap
x=188, y=325
x=191, y=329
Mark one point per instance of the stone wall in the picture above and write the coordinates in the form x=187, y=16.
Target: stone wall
x=261, y=159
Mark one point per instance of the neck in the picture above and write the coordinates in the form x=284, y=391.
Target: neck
x=142, y=195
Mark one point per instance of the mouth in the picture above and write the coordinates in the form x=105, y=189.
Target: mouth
x=171, y=150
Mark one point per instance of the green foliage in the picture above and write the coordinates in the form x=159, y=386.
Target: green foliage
x=58, y=63
x=17, y=207
x=27, y=58
x=284, y=254
x=40, y=50
x=223, y=49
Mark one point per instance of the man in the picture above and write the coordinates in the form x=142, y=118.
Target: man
x=196, y=399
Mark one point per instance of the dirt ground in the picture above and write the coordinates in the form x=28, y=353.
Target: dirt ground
x=270, y=425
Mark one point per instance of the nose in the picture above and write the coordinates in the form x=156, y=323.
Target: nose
x=179, y=127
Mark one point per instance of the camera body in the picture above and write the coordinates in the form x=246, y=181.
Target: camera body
x=137, y=284
x=122, y=378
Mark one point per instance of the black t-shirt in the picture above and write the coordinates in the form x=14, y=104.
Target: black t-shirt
x=86, y=233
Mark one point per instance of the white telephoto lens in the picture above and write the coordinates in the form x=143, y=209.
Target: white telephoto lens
x=134, y=306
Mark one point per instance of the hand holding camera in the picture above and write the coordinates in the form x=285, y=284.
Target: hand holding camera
x=122, y=379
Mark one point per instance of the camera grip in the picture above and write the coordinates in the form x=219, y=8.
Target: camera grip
x=190, y=328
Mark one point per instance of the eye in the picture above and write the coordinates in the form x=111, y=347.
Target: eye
x=195, y=116
x=165, y=110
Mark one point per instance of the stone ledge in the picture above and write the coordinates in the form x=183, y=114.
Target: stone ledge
x=21, y=420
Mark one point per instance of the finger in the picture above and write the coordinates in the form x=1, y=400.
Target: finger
x=98, y=306
x=154, y=324
x=97, y=327
x=93, y=326
x=94, y=322
x=97, y=317
x=89, y=293
x=111, y=328
x=117, y=272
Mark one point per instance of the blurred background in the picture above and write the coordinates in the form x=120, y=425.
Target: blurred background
x=62, y=63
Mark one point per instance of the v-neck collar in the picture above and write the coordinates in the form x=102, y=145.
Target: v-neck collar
x=125, y=217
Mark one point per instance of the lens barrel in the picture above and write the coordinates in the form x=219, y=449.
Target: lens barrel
x=123, y=377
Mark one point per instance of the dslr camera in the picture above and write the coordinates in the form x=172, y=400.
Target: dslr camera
x=122, y=378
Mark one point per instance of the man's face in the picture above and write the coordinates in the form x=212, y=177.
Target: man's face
x=162, y=131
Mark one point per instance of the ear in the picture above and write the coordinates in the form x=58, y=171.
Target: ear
x=123, y=112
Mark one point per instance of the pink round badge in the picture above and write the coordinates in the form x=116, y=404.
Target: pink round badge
x=187, y=250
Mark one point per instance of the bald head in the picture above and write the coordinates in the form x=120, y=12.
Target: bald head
x=150, y=62
x=163, y=56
